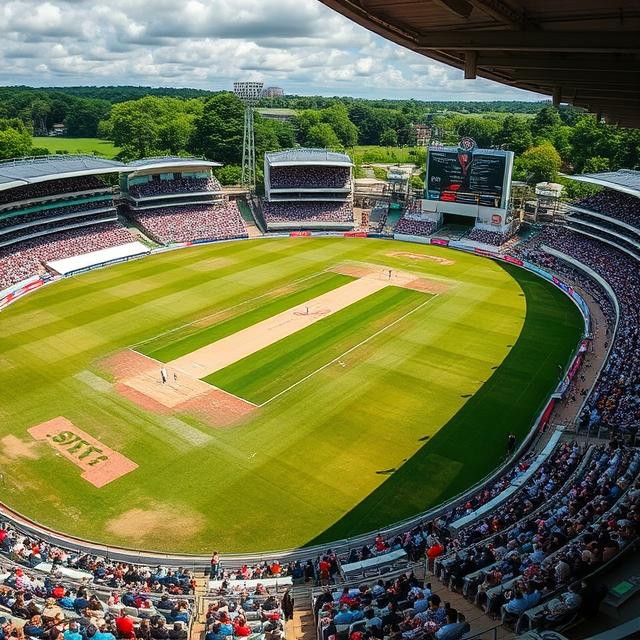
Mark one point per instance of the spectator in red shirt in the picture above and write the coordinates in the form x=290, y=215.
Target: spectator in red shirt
x=125, y=627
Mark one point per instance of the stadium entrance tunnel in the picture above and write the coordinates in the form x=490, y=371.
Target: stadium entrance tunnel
x=454, y=219
x=508, y=401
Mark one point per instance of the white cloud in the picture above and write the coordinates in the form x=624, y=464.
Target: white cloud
x=298, y=44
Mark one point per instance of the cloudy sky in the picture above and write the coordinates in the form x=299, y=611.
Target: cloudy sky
x=299, y=45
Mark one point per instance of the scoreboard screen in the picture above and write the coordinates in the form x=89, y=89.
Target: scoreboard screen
x=473, y=176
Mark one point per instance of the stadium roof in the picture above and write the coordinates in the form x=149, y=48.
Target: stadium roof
x=585, y=52
x=625, y=180
x=162, y=162
x=321, y=157
x=23, y=171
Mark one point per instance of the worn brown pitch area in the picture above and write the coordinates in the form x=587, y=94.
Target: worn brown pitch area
x=138, y=379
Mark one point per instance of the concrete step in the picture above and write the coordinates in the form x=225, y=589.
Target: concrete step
x=302, y=625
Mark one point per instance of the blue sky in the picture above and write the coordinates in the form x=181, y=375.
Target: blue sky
x=299, y=45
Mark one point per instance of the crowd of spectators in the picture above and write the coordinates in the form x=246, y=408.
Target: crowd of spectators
x=25, y=259
x=414, y=227
x=411, y=222
x=309, y=177
x=552, y=546
x=51, y=188
x=615, y=400
x=614, y=204
x=96, y=598
x=247, y=613
x=189, y=223
x=324, y=212
x=31, y=551
x=493, y=238
x=157, y=187
x=588, y=219
x=43, y=216
x=400, y=608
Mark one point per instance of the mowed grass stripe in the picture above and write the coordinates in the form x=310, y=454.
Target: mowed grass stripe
x=270, y=371
x=474, y=439
x=176, y=344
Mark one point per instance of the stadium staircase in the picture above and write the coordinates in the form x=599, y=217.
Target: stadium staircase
x=482, y=625
x=137, y=232
x=302, y=626
x=199, y=623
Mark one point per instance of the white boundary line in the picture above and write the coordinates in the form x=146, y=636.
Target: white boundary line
x=371, y=337
x=231, y=308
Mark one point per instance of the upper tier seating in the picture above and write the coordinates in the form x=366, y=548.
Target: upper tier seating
x=51, y=188
x=614, y=204
x=309, y=177
x=176, y=186
x=615, y=400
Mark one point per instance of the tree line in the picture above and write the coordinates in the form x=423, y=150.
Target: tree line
x=143, y=121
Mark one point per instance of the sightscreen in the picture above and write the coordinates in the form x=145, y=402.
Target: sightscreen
x=467, y=177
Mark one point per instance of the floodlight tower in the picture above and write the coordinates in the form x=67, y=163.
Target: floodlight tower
x=249, y=93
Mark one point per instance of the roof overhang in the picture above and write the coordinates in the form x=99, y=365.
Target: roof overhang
x=584, y=52
x=599, y=182
x=304, y=163
x=56, y=176
x=168, y=164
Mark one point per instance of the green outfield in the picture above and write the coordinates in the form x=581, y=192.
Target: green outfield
x=92, y=146
x=375, y=412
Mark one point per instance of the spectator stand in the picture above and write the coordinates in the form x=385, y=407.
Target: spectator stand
x=577, y=212
x=609, y=405
x=275, y=584
x=308, y=189
x=518, y=482
x=443, y=564
x=374, y=566
x=527, y=621
x=590, y=273
x=31, y=218
x=191, y=224
x=170, y=178
x=498, y=591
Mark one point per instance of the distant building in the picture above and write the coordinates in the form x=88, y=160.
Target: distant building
x=273, y=92
x=423, y=134
x=58, y=130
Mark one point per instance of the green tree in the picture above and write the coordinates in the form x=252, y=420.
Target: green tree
x=229, y=174
x=538, y=164
x=589, y=138
x=482, y=130
x=175, y=134
x=626, y=154
x=335, y=117
x=338, y=117
x=545, y=120
x=39, y=113
x=514, y=134
x=152, y=125
x=15, y=138
x=219, y=130
x=596, y=164
x=322, y=136
x=389, y=138
x=84, y=115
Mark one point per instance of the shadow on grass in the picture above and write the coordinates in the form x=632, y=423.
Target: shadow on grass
x=474, y=440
